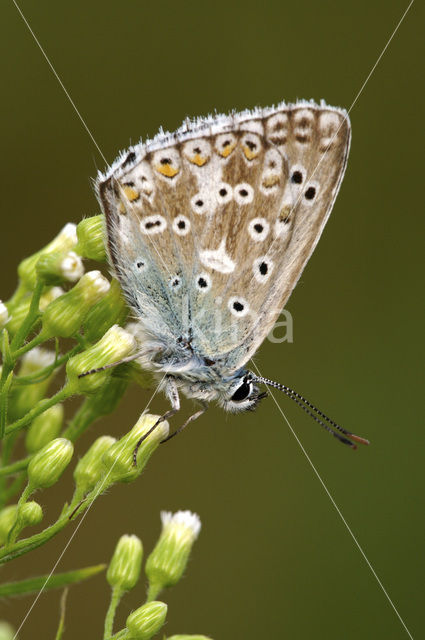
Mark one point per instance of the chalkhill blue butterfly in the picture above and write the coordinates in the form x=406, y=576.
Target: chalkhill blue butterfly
x=209, y=229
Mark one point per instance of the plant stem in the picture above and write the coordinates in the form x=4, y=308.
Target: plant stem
x=39, y=408
x=61, y=626
x=28, y=544
x=15, y=467
x=32, y=315
x=4, y=397
x=153, y=591
x=42, y=374
x=38, y=339
x=116, y=596
x=15, y=530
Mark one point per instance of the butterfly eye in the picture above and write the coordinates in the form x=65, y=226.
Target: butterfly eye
x=242, y=392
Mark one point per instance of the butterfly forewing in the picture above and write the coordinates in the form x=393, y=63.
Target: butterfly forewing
x=210, y=228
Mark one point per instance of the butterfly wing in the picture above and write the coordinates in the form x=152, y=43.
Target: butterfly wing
x=292, y=202
x=210, y=228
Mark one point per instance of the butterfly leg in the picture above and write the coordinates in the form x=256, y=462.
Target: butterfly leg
x=193, y=417
x=172, y=394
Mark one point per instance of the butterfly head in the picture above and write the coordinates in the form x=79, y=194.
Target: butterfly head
x=242, y=394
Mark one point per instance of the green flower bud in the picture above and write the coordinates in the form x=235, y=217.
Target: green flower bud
x=167, y=562
x=118, y=460
x=48, y=464
x=115, y=345
x=4, y=315
x=44, y=428
x=147, y=620
x=7, y=520
x=53, y=268
x=90, y=469
x=112, y=309
x=63, y=317
x=7, y=632
x=19, y=311
x=64, y=241
x=91, y=234
x=30, y=514
x=125, y=566
x=184, y=636
x=24, y=397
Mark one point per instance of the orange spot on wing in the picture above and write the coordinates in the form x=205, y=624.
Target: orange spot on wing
x=198, y=160
x=270, y=181
x=167, y=170
x=226, y=151
x=131, y=194
x=250, y=154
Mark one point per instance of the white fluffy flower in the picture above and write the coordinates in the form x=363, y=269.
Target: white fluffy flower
x=72, y=267
x=184, y=523
x=98, y=282
x=4, y=315
x=37, y=358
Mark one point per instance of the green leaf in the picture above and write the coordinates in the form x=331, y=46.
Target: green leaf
x=57, y=581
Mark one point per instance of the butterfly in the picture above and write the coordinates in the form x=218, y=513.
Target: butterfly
x=209, y=229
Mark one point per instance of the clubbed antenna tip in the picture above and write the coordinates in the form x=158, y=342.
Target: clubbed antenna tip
x=312, y=411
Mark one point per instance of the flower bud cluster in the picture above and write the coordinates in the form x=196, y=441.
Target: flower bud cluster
x=119, y=459
x=110, y=310
x=63, y=317
x=30, y=514
x=19, y=310
x=91, y=244
x=65, y=241
x=90, y=469
x=54, y=268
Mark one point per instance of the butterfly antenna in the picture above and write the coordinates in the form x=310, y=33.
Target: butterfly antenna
x=308, y=407
x=111, y=365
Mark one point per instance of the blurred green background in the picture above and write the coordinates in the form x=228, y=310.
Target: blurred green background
x=274, y=559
